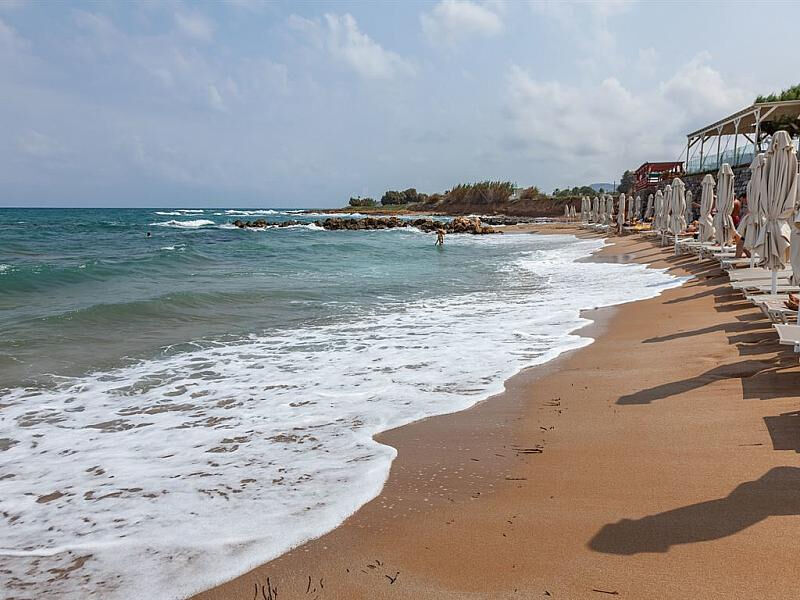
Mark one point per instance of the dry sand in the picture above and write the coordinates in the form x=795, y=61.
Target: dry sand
x=659, y=462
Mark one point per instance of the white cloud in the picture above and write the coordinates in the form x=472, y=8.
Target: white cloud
x=586, y=25
x=195, y=26
x=341, y=38
x=452, y=21
x=605, y=127
x=10, y=41
x=39, y=145
x=647, y=62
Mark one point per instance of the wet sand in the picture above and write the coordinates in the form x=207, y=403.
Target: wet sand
x=659, y=462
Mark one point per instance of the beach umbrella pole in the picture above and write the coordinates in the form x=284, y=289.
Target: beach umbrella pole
x=774, y=282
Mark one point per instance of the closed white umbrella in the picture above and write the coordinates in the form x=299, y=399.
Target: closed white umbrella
x=595, y=209
x=572, y=214
x=666, y=210
x=779, y=190
x=658, y=206
x=648, y=214
x=706, y=222
x=750, y=225
x=637, y=213
x=610, y=211
x=677, y=222
x=566, y=212
x=689, y=210
x=723, y=222
x=621, y=213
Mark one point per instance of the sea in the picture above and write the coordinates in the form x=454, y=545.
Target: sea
x=178, y=408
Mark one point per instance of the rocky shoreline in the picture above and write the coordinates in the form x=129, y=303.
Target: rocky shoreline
x=457, y=225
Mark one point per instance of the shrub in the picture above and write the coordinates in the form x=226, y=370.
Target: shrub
x=362, y=202
x=392, y=197
x=484, y=192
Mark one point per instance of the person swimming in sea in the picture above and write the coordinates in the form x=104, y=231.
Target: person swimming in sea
x=439, y=237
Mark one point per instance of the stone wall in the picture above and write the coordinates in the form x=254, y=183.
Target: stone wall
x=741, y=176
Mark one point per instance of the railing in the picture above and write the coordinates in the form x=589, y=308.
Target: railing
x=742, y=156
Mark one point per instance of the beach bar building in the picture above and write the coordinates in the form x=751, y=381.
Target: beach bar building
x=651, y=174
x=736, y=138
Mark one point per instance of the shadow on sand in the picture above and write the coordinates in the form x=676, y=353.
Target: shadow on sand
x=776, y=493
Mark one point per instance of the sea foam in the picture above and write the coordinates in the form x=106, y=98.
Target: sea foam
x=167, y=476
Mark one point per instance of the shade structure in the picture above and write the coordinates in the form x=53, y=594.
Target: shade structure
x=572, y=214
x=689, y=211
x=706, y=222
x=658, y=205
x=595, y=209
x=621, y=212
x=779, y=180
x=723, y=221
x=610, y=211
x=677, y=218
x=566, y=211
x=637, y=208
x=666, y=209
x=750, y=225
x=648, y=214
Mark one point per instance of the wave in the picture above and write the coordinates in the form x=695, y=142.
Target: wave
x=268, y=441
x=185, y=224
x=245, y=213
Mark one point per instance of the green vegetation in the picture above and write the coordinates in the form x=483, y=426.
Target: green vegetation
x=791, y=93
x=584, y=190
x=626, y=183
x=530, y=193
x=409, y=196
x=483, y=192
x=362, y=202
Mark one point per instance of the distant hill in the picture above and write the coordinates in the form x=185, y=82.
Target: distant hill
x=607, y=187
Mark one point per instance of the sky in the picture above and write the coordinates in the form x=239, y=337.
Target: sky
x=290, y=104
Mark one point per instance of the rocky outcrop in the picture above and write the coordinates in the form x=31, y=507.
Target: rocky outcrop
x=504, y=220
x=262, y=224
x=457, y=225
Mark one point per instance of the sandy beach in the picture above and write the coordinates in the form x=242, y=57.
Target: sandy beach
x=658, y=462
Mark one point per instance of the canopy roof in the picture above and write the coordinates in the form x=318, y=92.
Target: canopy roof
x=659, y=166
x=744, y=121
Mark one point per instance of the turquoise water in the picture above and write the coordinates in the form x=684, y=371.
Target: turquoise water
x=211, y=383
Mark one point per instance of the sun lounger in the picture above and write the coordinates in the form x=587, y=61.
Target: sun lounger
x=757, y=273
x=734, y=263
x=781, y=289
x=789, y=335
x=760, y=298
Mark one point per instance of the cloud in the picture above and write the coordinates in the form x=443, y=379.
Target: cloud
x=195, y=26
x=452, y=21
x=10, y=41
x=345, y=43
x=605, y=127
x=38, y=145
x=587, y=26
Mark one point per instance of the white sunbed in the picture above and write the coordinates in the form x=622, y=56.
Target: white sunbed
x=789, y=335
x=734, y=263
x=782, y=288
x=757, y=273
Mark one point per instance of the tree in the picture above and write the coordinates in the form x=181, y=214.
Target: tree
x=791, y=93
x=362, y=202
x=626, y=183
